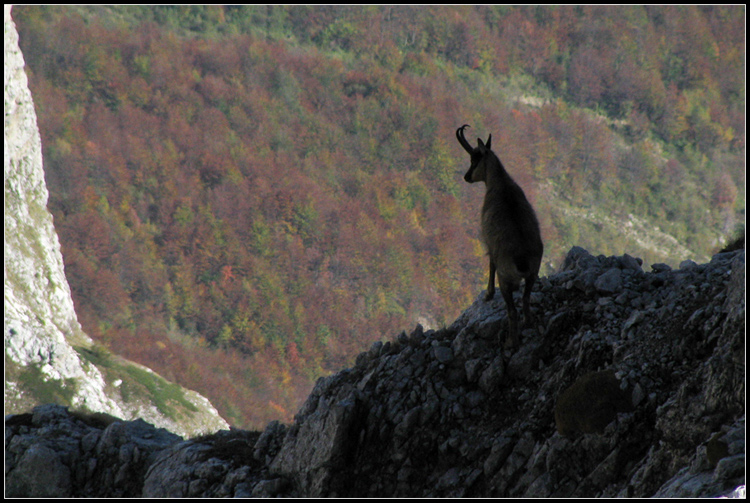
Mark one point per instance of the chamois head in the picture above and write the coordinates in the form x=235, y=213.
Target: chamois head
x=479, y=156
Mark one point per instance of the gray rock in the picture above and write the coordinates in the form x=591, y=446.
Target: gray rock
x=39, y=473
x=317, y=451
x=492, y=375
x=443, y=354
x=631, y=263
x=609, y=282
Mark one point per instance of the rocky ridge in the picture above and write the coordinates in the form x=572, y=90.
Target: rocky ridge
x=629, y=383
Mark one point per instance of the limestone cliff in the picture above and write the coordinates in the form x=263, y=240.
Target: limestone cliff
x=47, y=355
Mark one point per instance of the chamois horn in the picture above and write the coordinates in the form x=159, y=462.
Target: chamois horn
x=462, y=140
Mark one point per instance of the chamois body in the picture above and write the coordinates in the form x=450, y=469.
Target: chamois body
x=510, y=231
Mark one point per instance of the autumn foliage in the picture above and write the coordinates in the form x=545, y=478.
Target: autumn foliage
x=247, y=197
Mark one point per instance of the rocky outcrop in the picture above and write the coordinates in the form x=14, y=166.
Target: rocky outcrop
x=657, y=359
x=47, y=355
x=79, y=454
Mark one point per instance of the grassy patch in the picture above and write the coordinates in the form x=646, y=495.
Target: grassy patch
x=138, y=384
x=45, y=389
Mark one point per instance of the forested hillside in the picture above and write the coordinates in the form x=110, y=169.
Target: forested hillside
x=246, y=197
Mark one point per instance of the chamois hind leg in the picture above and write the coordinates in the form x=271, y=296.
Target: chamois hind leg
x=527, y=319
x=513, y=339
x=491, y=283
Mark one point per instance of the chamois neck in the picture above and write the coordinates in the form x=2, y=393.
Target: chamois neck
x=496, y=175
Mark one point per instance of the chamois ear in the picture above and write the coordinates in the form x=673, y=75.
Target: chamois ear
x=485, y=145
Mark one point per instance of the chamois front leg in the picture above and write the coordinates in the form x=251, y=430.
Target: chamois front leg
x=513, y=340
x=491, y=283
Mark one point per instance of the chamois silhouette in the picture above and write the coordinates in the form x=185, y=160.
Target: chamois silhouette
x=510, y=230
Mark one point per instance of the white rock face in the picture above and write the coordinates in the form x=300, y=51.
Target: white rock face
x=39, y=311
x=40, y=322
